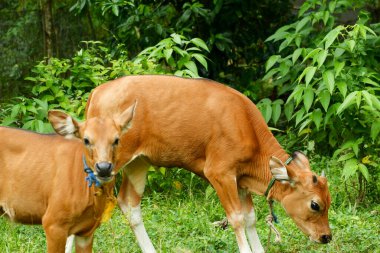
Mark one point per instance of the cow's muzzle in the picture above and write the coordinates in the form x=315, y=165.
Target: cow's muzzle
x=325, y=238
x=104, y=170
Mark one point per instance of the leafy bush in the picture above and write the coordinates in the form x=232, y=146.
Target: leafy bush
x=66, y=83
x=327, y=77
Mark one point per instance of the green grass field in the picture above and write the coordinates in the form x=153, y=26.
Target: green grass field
x=182, y=222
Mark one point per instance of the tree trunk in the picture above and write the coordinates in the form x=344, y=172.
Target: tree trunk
x=48, y=27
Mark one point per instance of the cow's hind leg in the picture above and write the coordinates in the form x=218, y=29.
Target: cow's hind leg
x=250, y=221
x=224, y=183
x=129, y=199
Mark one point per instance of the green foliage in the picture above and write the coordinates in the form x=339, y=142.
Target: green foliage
x=177, y=54
x=66, y=83
x=328, y=76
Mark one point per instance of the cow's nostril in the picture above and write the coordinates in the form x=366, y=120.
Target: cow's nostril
x=103, y=169
x=326, y=238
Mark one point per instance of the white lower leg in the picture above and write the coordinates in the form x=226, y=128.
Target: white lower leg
x=252, y=235
x=237, y=222
x=69, y=244
x=133, y=214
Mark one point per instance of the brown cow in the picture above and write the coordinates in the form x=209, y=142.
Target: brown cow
x=219, y=134
x=42, y=177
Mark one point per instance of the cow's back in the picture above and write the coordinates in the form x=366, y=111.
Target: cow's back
x=178, y=121
x=30, y=164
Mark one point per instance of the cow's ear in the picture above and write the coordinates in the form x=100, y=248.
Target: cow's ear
x=63, y=124
x=301, y=160
x=124, y=120
x=278, y=169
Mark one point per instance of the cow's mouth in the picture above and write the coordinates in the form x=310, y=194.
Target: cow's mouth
x=104, y=180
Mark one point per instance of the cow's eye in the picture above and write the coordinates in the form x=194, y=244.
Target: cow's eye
x=116, y=142
x=86, y=141
x=314, y=205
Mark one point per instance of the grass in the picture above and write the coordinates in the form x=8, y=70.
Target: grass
x=182, y=223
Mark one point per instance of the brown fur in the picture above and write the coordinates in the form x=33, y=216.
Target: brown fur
x=215, y=132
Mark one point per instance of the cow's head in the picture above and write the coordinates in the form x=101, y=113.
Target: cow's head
x=100, y=136
x=307, y=200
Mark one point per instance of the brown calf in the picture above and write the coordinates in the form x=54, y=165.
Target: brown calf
x=219, y=134
x=42, y=178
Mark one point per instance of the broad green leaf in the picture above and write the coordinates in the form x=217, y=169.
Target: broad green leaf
x=332, y=5
x=168, y=53
x=289, y=109
x=349, y=100
x=330, y=112
x=296, y=54
x=338, y=52
x=276, y=110
x=270, y=74
x=28, y=125
x=316, y=116
x=115, y=10
x=324, y=98
x=300, y=116
x=266, y=109
x=304, y=124
x=363, y=32
x=284, y=67
x=306, y=72
x=302, y=23
x=329, y=80
x=367, y=97
x=190, y=65
x=346, y=157
x=338, y=66
x=308, y=98
x=180, y=51
x=283, y=45
x=296, y=94
x=350, y=168
x=370, y=30
x=177, y=38
x=31, y=108
x=332, y=35
x=351, y=44
x=200, y=43
x=312, y=53
x=271, y=61
x=321, y=57
x=375, y=129
x=201, y=59
x=342, y=87
x=364, y=170
x=375, y=102
x=8, y=121
x=326, y=16
x=355, y=146
x=304, y=7
x=369, y=81
x=309, y=75
x=358, y=98
x=15, y=111
x=280, y=34
x=267, y=112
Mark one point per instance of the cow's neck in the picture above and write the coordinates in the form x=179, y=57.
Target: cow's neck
x=269, y=147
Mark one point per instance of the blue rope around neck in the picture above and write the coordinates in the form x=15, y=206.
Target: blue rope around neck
x=91, y=178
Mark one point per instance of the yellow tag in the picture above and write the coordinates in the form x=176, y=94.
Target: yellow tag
x=107, y=213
